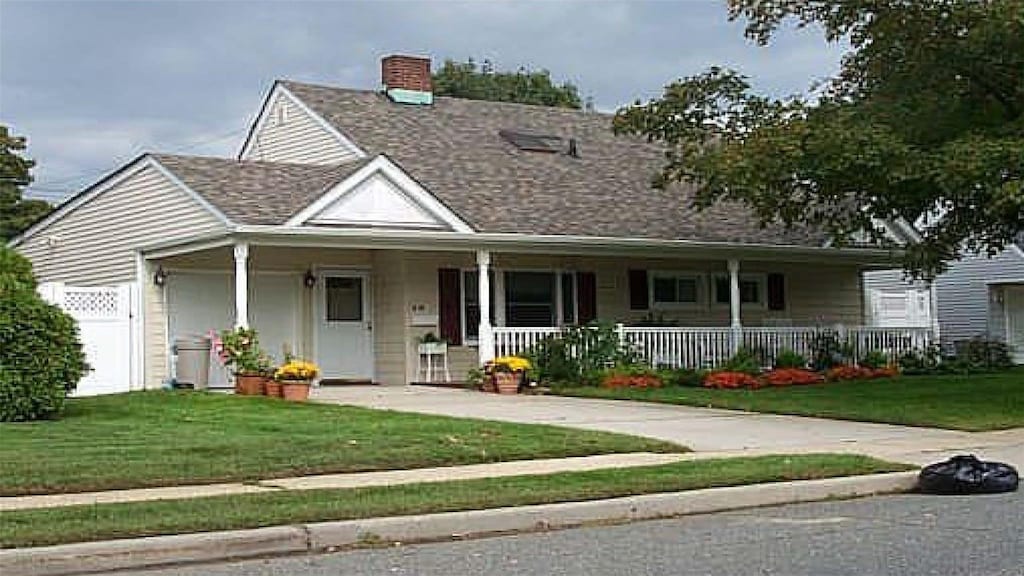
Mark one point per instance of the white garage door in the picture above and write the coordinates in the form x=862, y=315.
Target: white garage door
x=104, y=324
x=198, y=303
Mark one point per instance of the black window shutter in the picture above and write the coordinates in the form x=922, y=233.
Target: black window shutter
x=586, y=297
x=776, y=292
x=639, y=296
x=449, y=305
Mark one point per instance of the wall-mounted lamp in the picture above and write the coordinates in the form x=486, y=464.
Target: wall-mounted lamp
x=309, y=279
x=160, y=276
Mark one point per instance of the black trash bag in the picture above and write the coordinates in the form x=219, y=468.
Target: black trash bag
x=967, y=475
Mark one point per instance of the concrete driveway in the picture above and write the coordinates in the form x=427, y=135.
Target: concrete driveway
x=702, y=429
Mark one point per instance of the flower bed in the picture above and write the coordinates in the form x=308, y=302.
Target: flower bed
x=731, y=380
x=791, y=376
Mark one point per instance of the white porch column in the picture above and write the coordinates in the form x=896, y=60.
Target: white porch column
x=486, y=334
x=241, y=285
x=734, y=304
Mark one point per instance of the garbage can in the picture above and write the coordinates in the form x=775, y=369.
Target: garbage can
x=192, y=365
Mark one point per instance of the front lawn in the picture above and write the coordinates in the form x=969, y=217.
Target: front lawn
x=974, y=403
x=81, y=523
x=167, y=438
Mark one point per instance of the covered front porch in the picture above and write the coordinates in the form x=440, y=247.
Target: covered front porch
x=360, y=307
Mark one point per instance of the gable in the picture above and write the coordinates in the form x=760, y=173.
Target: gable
x=377, y=201
x=288, y=131
x=380, y=195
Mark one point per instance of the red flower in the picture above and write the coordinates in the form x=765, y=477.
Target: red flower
x=791, y=376
x=849, y=373
x=731, y=380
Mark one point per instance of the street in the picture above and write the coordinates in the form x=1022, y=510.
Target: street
x=904, y=535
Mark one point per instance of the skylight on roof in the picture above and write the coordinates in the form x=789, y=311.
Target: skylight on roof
x=532, y=142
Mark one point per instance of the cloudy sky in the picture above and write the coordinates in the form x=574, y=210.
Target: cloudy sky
x=93, y=84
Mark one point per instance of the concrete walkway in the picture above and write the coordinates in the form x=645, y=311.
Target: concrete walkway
x=729, y=432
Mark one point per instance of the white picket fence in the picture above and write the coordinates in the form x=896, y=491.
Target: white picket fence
x=688, y=347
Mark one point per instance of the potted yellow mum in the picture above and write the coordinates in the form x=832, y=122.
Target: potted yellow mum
x=295, y=377
x=507, y=372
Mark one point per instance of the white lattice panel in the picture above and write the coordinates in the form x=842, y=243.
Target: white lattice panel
x=93, y=303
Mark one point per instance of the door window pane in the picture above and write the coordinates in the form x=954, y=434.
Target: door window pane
x=344, y=299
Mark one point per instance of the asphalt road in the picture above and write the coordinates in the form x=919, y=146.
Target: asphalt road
x=900, y=535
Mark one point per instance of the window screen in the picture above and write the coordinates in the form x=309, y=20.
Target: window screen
x=344, y=299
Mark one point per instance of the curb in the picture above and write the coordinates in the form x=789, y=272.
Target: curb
x=91, y=557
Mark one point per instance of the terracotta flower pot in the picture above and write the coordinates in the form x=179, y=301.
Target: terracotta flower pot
x=248, y=384
x=295, y=390
x=272, y=388
x=506, y=382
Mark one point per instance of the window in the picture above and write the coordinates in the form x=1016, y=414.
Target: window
x=568, y=298
x=471, y=303
x=752, y=289
x=670, y=290
x=530, y=299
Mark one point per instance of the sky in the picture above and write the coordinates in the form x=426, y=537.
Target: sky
x=93, y=84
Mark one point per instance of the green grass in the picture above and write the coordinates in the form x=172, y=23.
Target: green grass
x=107, y=521
x=167, y=438
x=976, y=402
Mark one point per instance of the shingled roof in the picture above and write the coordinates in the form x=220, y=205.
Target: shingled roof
x=453, y=148
x=256, y=192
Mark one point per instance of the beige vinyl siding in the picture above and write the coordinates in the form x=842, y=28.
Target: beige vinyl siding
x=390, y=325
x=94, y=244
x=290, y=134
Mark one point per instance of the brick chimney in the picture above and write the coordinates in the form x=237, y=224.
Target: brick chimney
x=406, y=79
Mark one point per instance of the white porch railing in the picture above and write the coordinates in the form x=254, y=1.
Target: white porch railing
x=512, y=341
x=686, y=347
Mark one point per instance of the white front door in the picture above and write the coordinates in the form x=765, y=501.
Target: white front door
x=1014, y=306
x=345, y=326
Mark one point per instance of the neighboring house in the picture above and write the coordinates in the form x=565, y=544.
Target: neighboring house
x=354, y=222
x=978, y=296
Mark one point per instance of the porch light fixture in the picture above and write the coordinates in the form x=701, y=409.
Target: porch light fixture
x=309, y=279
x=160, y=276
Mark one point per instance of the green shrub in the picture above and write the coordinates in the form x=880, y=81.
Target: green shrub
x=579, y=353
x=41, y=358
x=874, y=359
x=744, y=360
x=787, y=358
x=923, y=361
x=15, y=273
x=829, y=351
x=981, y=354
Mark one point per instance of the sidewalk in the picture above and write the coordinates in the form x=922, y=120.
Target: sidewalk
x=352, y=480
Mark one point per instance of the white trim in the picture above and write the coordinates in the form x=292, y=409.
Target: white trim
x=129, y=170
x=189, y=246
x=301, y=236
x=383, y=165
x=280, y=90
x=241, y=277
x=138, y=326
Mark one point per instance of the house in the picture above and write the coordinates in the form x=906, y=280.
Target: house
x=353, y=222
x=978, y=296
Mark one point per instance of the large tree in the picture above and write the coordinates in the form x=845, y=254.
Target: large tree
x=482, y=82
x=16, y=213
x=924, y=122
